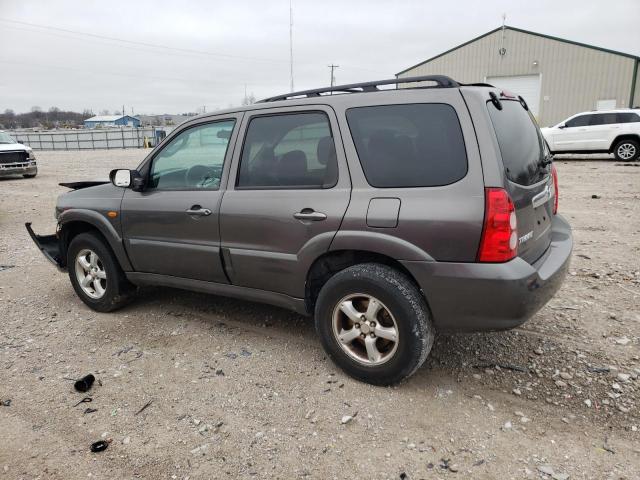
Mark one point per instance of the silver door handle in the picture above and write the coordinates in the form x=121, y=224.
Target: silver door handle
x=197, y=210
x=309, y=214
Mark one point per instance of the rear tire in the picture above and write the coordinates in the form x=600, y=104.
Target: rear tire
x=96, y=275
x=374, y=323
x=627, y=150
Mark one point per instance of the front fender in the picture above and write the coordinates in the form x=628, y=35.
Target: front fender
x=103, y=224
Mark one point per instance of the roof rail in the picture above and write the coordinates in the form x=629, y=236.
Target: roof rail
x=441, y=80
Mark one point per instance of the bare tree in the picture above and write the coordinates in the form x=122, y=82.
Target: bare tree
x=249, y=99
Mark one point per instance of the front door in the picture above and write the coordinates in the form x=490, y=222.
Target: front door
x=288, y=191
x=171, y=228
x=574, y=136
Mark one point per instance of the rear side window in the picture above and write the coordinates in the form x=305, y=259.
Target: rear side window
x=581, y=121
x=413, y=145
x=603, y=119
x=627, y=117
x=288, y=151
x=521, y=143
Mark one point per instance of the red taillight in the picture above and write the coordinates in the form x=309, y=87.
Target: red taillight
x=499, y=242
x=556, y=192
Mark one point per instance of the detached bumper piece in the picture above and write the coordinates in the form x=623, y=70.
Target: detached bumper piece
x=49, y=246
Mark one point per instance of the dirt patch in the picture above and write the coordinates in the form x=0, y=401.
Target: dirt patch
x=240, y=390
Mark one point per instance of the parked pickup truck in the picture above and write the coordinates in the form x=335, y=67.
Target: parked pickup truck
x=16, y=158
x=388, y=215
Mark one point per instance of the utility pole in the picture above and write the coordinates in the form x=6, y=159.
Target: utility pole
x=333, y=78
x=291, y=42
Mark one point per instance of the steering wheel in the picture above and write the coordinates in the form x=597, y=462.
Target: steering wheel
x=203, y=176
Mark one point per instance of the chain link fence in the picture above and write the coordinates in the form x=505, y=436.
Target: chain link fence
x=91, y=139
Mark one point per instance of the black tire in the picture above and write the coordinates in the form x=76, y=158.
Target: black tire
x=630, y=144
x=118, y=290
x=30, y=175
x=404, y=302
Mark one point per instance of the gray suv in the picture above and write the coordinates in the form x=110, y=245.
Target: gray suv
x=387, y=214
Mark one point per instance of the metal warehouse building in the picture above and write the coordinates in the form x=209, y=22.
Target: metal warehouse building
x=111, y=121
x=556, y=77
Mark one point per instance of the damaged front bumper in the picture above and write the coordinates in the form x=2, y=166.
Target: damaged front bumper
x=29, y=167
x=49, y=245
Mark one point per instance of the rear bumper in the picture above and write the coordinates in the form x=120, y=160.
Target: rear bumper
x=49, y=246
x=477, y=296
x=22, y=168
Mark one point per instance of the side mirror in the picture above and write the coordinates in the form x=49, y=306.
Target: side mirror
x=20, y=142
x=120, y=178
x=562, y=126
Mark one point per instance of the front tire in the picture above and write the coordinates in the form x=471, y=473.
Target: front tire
x=96, y=275
x=627, y=150
x=374, y=323
x=30, y=175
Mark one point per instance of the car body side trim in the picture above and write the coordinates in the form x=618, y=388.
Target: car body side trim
x=225, y=290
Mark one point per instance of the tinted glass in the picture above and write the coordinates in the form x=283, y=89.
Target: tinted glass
x=414, y=145
x=627, y=117
x=581, y=121
x=603, y=119
x=521, y=144
x=288, y=151
x=194, y=159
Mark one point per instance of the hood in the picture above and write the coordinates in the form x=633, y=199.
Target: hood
x=14, y=147
x=98, y=197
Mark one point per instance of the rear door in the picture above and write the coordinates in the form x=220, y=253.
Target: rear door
x=602, y=128
x=529, y=180
x=288, y=191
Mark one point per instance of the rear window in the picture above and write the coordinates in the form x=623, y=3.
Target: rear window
x=521, y=143
x=412, y=145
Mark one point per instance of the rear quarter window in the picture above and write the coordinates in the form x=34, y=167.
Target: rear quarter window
x=409, y=145
x=520, y=141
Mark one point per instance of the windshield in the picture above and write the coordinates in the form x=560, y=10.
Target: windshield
x=522, y=146
x=5, y=138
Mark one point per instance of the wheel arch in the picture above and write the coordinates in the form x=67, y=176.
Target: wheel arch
x=334, y=261
x=620, y=138
x=73, y=223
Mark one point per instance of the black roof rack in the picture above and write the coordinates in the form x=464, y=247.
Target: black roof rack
x=441, y=80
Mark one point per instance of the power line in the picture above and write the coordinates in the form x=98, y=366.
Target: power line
x=144, y=44
x=51, y=29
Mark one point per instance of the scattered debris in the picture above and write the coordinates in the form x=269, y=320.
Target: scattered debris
x=348, y=418
x=89, y=410
x=99, y=446
x=595, y=196
x=6, y=267
x=6, y=403
x=144, y=407
x=84, y=384
x=84, y=400
x=504, y=366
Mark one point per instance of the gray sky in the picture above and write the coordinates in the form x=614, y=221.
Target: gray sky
x=247, y=42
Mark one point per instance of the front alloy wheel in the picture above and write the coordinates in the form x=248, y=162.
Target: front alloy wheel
x=91, y=273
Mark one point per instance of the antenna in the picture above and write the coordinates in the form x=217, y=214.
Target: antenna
x=291, y=42
x=333, y=67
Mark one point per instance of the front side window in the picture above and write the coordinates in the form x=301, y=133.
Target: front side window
x=409, y=145
x=581, y=121
x=288, y=151
x=194, y=159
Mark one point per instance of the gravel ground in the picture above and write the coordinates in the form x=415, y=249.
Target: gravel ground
x=241, y=390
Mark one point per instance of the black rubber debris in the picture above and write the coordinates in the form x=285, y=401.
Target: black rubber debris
x=85, y=383
x=99, y=446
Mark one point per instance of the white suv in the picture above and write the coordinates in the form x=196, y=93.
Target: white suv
x=608, y=131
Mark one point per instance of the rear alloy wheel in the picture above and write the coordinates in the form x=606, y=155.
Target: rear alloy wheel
x=627, y=150
x=96, y=275
x=374, y=323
